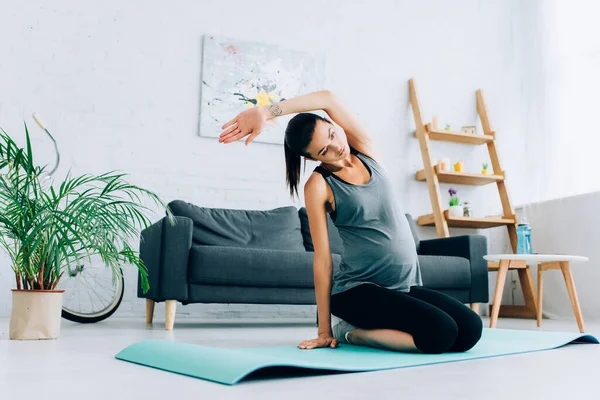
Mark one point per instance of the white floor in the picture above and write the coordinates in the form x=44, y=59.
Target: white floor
x=81, y=365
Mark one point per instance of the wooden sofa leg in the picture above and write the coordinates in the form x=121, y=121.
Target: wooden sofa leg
x=149, y=310
x=475, y=307
x=170, y=316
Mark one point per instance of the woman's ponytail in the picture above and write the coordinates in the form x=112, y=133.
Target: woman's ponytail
x=292, y=166
x=298, y=135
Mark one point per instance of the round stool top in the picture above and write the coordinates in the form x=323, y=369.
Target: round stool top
x=536, y=258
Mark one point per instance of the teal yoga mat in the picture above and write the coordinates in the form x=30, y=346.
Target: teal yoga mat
x=231, y=365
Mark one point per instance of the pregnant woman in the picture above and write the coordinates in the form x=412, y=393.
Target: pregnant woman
x=377, y=291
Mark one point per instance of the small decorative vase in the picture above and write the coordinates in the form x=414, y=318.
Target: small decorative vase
x=469, y=129
x=444, y=164
x=459, y=166
x=456, y=211
x=467, y=211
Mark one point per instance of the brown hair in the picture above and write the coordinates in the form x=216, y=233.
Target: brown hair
x=298, y=135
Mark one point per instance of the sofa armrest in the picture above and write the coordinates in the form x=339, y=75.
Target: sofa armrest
x=471, y=247
x=165, y=250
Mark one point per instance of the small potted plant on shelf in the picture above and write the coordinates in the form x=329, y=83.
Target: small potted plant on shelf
x=455, y=210
x=46, y=229
x=484, y=169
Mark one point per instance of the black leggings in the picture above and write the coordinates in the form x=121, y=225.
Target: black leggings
x=438, y=323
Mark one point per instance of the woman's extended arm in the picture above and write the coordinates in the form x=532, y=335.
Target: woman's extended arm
x=251, y=121
x=315, y=193
x=320, y=100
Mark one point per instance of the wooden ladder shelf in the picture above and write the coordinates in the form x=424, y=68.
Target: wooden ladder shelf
x=432, y=174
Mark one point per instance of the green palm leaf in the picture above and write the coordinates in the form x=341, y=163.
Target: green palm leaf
x=46, y=230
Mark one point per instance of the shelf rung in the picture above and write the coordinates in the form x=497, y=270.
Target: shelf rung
x=466, y=222
x=494, y=266
x=458, y=137
x=462, y=178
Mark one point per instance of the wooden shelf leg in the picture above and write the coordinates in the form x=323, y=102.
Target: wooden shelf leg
x=441, y=224
x=507, y=208
x=528, y=290
x=540, y=295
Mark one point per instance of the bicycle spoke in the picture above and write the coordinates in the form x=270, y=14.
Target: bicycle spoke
x=111, y=291
x=93, y=291
x=87, y=291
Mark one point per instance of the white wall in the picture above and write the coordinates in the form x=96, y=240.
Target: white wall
x=567, y=226
x=118, y=83
x=563, y=81
x=561, y=138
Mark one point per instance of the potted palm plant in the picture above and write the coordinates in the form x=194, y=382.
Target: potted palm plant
x=46, y=230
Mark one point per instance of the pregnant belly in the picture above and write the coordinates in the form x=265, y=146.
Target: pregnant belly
x=396, y=252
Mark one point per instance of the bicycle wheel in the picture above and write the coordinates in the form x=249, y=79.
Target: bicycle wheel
x=93, y=292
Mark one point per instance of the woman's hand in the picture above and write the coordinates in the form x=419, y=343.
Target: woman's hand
x=249, y=122
x=321, y=341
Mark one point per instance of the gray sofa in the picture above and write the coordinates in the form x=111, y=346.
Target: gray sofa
x=214, y=255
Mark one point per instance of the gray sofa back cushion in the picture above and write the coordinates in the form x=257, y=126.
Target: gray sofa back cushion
x=277, y=228
x=335, y=241
x=444, y=272
x=413, y=229
x=253, y=267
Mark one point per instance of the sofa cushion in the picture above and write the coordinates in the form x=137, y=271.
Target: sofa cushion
x=444, y=272
x=413, y=229
x=335, y=241
x=277, y=228
x=221, y=265
x=230, y=294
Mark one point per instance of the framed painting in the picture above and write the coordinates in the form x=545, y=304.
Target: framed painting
x=237, y=75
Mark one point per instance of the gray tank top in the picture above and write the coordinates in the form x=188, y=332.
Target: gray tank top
x=378, y=246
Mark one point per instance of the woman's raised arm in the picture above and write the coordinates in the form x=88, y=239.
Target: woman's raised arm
x=251, y=122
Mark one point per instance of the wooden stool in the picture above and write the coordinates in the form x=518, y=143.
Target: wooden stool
x=545, y=262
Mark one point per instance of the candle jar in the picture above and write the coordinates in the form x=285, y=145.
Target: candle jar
x=444, y=164
x=467, y=210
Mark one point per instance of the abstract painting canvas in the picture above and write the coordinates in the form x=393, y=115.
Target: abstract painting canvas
x=237, y=75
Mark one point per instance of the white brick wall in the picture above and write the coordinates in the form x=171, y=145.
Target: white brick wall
x=118, y=83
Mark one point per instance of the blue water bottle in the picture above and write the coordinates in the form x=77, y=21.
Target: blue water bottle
x=524, y=239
